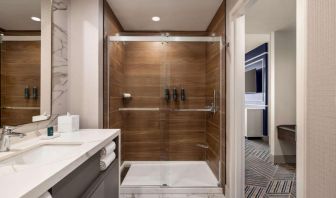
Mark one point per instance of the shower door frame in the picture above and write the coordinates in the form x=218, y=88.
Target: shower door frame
x=167, y=38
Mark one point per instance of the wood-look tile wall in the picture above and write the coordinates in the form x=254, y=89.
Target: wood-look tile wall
x=113, y=73
x=149, y=68
x=215, y=80
x=20, y=67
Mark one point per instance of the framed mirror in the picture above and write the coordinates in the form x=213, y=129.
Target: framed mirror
x=25, y=61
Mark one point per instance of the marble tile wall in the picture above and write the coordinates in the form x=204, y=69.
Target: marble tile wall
x=59, y=56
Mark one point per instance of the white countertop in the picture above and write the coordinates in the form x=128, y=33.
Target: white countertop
x=35, y=179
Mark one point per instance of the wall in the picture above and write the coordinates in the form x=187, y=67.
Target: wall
x=60, y=57
x=215, y=80
x=149, y=68
x=283, y=91
x=113, y=74
x=320, y=101
x=85, y=60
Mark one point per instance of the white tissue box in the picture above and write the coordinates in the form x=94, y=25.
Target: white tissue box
x=68, y=123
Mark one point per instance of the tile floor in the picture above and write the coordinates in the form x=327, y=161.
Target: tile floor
x=262, y=177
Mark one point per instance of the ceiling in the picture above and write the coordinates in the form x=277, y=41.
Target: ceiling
x=254, y=40
x=266, y=16
x=16, y=14
x=176, y=15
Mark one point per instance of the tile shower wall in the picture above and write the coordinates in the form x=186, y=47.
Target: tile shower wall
x=215, y=80
x=114, y=74
x=149, y=68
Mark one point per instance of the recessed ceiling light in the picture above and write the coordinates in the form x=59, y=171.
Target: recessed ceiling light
x=35, y=18
x=155, y=18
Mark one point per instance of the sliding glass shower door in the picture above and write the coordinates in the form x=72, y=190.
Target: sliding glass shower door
x=184, y=116
x=163, y=97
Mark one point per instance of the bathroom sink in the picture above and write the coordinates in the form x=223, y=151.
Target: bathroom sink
x=39, y=154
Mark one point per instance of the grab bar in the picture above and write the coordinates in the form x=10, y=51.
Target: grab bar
x=193, y=110
x=209, y=109
x=139, y=109
x=21, y=108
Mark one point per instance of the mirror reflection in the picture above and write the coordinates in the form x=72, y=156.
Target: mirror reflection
x=20, y=61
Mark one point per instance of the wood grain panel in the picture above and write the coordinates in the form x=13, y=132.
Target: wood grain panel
x=215, y=135
x=113, y=74
x=187, y=64
x=20, y=67
x=149, y=68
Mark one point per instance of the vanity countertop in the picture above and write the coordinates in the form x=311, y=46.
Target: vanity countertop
x=34, y=179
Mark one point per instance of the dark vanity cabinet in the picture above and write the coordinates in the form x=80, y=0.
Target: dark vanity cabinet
x=88, y=181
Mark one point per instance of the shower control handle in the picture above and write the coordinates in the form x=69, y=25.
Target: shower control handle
x=175, y=97
x=167, y=95
x=183, y=97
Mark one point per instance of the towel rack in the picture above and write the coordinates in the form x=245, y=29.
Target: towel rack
x=21, y=108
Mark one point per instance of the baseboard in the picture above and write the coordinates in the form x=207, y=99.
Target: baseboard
x=284, y=159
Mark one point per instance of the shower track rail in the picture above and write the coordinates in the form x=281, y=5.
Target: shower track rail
x=21, y=108
x=165, y=38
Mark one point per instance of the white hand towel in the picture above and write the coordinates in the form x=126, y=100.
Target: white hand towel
x=46, y=195
x=106, y=161
x=107, y=149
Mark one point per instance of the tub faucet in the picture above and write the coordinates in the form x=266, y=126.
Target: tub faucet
x=7, y=132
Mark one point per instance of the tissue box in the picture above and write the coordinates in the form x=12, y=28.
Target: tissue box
x=68, y=123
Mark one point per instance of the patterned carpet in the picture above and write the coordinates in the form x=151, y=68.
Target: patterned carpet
x=262, y=178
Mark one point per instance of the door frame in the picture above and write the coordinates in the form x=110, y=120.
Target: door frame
x=235, y=100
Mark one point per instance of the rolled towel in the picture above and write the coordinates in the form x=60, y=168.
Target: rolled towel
x=107, y=149
x=46, y=195
x=106, y=161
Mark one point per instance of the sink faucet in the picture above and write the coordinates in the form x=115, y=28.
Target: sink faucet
x=7, y=132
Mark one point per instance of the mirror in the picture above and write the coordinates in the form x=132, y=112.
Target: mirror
x=254, y=80
x=25, y=61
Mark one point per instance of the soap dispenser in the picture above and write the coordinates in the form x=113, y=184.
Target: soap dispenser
x=167, y=95
x=183, y=96
x=175, y=96
x=26, y=92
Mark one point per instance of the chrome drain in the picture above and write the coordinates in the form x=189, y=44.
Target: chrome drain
x=164, y=185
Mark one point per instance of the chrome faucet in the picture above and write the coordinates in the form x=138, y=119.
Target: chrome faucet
x=7, y=132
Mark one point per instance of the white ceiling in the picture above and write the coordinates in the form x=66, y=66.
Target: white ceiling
x=176, y=15
x=16, y=14
x=266, y=16
x=254, y=40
